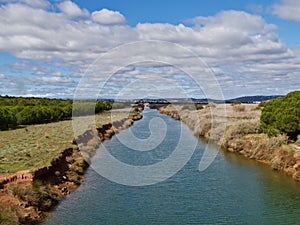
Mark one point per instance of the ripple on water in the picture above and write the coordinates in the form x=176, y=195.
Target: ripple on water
x=233, y=190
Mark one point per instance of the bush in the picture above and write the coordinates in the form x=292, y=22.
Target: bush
x=240, y=129
x=196, y=106
x=282, y=115
x=199, y=106
x=284, y=158
x=38, y=195
x=261, y=105
x=8, y=216
x=236, y=103
x=239, y=108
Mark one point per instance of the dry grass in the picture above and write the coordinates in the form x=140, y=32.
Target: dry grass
x=237, y=128
x=220, y=122
x=35, y=146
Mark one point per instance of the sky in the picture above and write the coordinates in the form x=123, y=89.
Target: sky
x=133, y=48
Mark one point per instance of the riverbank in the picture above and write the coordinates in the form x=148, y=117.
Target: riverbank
x=243, y=134
x=27, y=196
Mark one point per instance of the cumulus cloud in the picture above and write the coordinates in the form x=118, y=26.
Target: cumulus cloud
x=241, y=47
x=288, y=9
x=32, y=34
x=238, y=20
x=43, y=4
x=230, y=35
x=71, y=9
x=56, y=80
x=108, y=17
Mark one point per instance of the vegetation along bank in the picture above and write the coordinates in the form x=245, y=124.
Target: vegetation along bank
x=268, y=132
x=41, y=163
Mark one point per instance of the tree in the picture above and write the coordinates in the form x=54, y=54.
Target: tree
x=282, y=115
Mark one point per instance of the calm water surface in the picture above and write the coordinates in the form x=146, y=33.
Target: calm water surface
x=233, y=190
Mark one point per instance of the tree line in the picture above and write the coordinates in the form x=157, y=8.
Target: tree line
x=16, y=111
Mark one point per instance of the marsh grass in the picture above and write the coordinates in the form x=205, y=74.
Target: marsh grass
x=243, y=132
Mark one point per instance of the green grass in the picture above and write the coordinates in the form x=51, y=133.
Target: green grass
x=35, y=146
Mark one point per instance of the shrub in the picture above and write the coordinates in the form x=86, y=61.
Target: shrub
x=282, y=115
x=241, y=129
x=260, y=106
x=38, y=195
x=8, y=216
x=196, y=106
x=199, y=106
x=236, y=103
x=284, y=158
x=239, y=108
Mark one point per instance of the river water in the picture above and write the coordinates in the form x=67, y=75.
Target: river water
x=233, y=190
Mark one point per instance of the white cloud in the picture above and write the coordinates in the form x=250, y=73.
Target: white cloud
x=2, y=76
x=240, y=46
x=56, y=80
x=56, y=74
x=288, y=9
x=237, y=20
x=32, y=34
x=108, y=17
x=230, y=35
x=42, y=4
x=71, y=9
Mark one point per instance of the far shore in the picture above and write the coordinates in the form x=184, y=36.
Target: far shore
x=243, y=134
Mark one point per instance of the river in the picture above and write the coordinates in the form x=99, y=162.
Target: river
x=233, y=190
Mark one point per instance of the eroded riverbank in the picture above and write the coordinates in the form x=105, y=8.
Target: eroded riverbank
x=26, y=197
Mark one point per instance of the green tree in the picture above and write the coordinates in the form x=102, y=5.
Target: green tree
x=282, y=115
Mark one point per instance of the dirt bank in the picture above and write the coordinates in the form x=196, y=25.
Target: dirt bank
x=26, y=197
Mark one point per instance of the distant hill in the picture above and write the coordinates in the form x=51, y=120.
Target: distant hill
x=251, y=99
x=245, y=99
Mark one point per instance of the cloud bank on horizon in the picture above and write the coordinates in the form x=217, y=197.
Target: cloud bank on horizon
x=46, y=47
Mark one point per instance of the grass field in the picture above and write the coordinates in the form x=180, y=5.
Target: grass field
x=35, y=146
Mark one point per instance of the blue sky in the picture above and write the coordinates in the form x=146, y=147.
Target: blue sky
x=250, y=47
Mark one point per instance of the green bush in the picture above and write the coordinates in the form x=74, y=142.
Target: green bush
x=282, y=115
x=196, y=106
